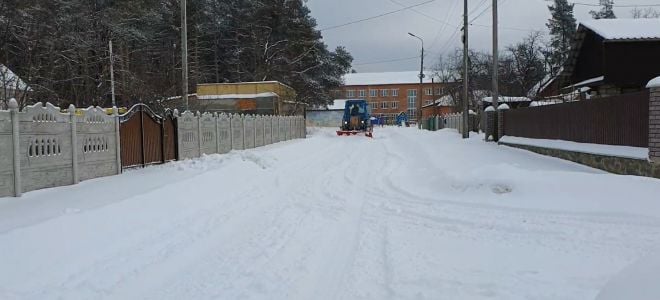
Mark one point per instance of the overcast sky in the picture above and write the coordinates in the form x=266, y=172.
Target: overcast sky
x=386, y=38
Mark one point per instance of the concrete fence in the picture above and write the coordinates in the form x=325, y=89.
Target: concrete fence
x=454, y=121
x=219, y=133
x=41, y=147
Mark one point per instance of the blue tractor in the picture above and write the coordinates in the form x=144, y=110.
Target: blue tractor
x=356, y=119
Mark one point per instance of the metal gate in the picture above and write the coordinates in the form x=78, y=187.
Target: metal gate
x=146, y=138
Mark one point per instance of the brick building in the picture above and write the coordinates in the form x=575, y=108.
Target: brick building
x=390, y=93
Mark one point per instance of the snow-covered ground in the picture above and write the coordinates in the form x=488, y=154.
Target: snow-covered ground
x=407, y=215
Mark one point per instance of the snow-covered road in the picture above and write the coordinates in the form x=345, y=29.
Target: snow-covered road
x=407, y=215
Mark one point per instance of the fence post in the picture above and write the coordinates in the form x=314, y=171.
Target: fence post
x=501, y=110
x=217, y=135
x=654, y=120
x=199, y=133
x=13, y=109
x=115, y=113
x=74, y=143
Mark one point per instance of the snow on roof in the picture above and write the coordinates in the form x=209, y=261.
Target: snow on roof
x=507, y=99
x=407, y=77
x=625, y=29
x=445, y=100
x=236, y=96
x=11, y=80
x=586, y=82
x=654, y=83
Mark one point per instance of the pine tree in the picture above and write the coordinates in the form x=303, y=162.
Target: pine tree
x=562, y=27
x=606, y=11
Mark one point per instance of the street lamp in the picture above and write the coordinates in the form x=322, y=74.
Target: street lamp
x=421, y=84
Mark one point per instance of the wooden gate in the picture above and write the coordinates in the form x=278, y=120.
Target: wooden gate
x=146, y=138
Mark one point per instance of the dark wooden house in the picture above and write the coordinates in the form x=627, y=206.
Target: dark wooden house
x=613, y=56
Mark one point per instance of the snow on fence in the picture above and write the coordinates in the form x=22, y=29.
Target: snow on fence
x=221, y=132
x=41, y=147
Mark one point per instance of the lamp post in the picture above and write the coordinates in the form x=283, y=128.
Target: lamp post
x=184, y=54
x=421, y=84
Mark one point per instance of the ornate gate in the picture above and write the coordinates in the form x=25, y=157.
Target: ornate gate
x=146, y=138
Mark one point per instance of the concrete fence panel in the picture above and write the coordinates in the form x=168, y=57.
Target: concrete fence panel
x=237, y=131
x=208, y=134
x=276, y=129
x=224, y=133
x=249, y=134
x=268, y=130
x=46, y=147
x=259, y=132
x=97, y=144
x=188, y=131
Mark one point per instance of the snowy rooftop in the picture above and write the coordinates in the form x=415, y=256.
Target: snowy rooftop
x=625, y=29
x=11, y=80
x=407, y=77
x=236, y=96
x=506, y=99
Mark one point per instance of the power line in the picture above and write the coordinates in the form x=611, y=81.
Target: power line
x=375, y=17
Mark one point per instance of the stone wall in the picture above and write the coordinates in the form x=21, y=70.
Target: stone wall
x=41, y=147
x=612, y=164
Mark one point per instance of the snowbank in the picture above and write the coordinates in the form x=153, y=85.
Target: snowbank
x=638, y=281
x=598, y=149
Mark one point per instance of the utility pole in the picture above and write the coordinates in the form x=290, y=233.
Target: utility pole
x=496, y=59
x=184, y=54
x=112, y=75
x=421, y=85
x=466, y=133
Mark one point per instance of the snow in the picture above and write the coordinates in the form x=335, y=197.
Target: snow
x=586, y=82
x=11, y=80
x=506, y=99
x=236, y=96
x=408, y=214
x=638, y=281
x=625, y=29
x=654, y=83
x=490, y=108
x=598, y=149
x=503, y=106
x=406, y=77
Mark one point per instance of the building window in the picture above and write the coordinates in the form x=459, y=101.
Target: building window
x=373, y=105
x=428, y=102
x=384, y=93
x=395, y=93
x=394, y=104
x=412, y=104
x=439, y=91
x=363, y=93
x=383, y=105
x=350, y=94
x=373, y=93
x=429, y=92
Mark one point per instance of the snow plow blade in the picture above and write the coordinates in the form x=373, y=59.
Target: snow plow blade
x=354, y=132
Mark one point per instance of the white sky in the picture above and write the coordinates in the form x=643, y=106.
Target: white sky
x=387, y=38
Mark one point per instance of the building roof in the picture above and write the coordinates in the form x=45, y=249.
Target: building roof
x=625, y=29
x=237, y=96
x=11, y=80
x=407, y=77
x=507, y=99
